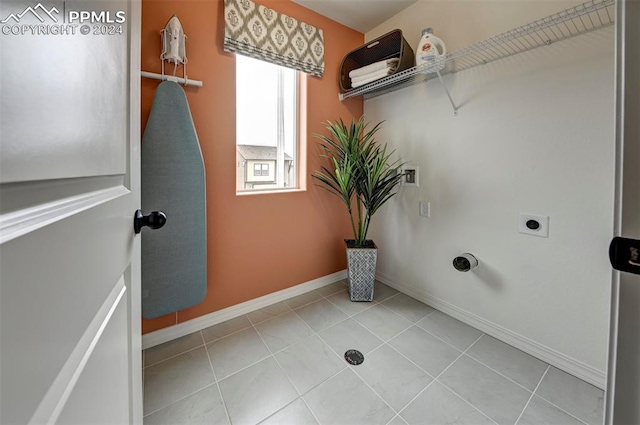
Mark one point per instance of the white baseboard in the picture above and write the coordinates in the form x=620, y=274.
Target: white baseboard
x=181, y=329
x=555, y=358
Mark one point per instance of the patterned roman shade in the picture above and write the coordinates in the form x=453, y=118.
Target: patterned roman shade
x=262, y=33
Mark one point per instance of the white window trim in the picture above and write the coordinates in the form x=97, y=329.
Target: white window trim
x=280, y=161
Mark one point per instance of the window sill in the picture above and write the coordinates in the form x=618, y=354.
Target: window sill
x=269, y=191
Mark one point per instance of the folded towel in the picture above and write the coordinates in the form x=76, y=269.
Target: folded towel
x=376, y=66
x=372, y=75
x=360, y=81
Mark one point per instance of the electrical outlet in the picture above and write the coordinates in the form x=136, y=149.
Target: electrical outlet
x=410, y=177
x=536, y=225
x=425, y=209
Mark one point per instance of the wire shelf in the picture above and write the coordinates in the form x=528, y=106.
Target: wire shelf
x=586, y=17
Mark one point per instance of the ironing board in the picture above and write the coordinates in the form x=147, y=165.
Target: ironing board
x=174, y=258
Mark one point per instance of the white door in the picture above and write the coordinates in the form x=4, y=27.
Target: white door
x=623, y=377
x=69, y=186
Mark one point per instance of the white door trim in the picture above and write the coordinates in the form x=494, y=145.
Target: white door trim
x=623, y=384
x=134, y=273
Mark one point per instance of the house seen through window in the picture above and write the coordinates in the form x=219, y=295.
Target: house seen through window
x=266, y=126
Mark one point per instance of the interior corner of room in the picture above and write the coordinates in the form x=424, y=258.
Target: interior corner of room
x=527, y=140
x=302, y=223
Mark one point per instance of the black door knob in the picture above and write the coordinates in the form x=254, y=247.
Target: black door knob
x=624, y=254
x=155, y=220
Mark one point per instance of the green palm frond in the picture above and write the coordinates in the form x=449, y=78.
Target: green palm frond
x=361, y=171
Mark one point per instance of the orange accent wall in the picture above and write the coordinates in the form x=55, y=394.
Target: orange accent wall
x=257, y=244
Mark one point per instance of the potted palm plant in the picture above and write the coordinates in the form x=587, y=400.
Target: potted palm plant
x=361, y=173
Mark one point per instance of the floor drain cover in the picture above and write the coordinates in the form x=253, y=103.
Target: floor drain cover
x=354, y=357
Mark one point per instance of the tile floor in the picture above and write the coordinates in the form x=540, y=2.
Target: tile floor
x=284, y=364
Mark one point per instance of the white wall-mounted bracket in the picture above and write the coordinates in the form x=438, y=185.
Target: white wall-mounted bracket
x=166, y=77
x=446, y=90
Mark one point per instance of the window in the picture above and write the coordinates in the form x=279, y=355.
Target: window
x=260, y=169
x=266, y=126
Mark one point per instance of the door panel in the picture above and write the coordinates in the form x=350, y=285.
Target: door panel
x=62, y=277
x=56, y=88
x=69, y=185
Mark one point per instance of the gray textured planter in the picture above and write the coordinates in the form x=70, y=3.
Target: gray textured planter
x=361, y=268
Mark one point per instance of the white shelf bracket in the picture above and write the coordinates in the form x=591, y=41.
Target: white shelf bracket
x=446, y=90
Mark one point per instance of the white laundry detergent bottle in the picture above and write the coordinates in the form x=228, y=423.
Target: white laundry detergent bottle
x=431, y=50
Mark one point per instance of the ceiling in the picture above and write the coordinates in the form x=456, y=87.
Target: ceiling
x=361, y=15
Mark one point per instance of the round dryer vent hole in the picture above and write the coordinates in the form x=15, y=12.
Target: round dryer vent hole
x=354, y=357
x=533, y=224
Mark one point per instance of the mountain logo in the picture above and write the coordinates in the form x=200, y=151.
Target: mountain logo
x=38, y=11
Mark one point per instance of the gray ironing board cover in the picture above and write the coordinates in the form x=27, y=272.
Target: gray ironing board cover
x=174, y=258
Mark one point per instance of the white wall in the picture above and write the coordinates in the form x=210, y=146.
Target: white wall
x=534, y=134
